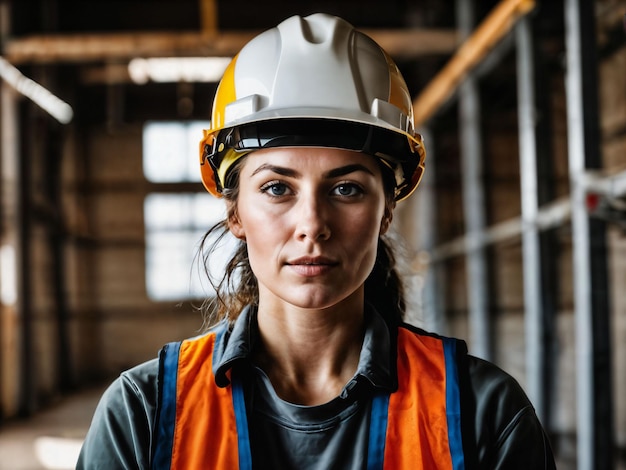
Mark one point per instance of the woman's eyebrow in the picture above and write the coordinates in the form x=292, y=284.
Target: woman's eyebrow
x=281, y=170
x=344, y=170
x=334, y=173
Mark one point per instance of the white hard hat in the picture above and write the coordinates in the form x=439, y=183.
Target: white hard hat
x=313, y=81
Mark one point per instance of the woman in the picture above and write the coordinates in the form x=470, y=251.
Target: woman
x=309, y=364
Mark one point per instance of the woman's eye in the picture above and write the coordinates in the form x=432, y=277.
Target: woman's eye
x=347, y=189
x=275, y=189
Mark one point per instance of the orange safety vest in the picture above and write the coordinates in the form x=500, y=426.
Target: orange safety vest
x=201, y=425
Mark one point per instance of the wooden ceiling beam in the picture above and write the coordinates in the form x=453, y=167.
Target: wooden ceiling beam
x=208, y=16
x=473, y=51
x=115, y=47
x=83, y=48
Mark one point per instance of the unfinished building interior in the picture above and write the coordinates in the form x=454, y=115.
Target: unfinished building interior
x=515, y=240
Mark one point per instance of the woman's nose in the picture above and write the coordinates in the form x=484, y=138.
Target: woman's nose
x=312, y=219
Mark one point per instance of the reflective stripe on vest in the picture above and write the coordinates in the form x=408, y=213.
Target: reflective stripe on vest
x=421, y=421
x=200, y=425
x=203, y=426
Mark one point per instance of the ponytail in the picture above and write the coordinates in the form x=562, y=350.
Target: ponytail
x=384, y=289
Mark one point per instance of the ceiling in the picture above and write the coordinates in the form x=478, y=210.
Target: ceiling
x=32, y=16
x=81, y=48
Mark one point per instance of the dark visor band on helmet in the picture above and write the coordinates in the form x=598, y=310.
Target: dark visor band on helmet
x=392, y=148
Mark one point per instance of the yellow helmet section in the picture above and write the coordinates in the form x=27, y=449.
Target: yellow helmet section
x=207, y=173
x=398, y=91
x=225, y=94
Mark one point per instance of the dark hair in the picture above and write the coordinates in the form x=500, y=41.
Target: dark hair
x=238, y=286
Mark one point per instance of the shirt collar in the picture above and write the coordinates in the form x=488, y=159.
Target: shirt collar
x=375, y=361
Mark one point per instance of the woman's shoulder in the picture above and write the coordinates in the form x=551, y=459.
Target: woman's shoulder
x=122, y=427
x=141, y=375
x=491, y=385
x=505, y=428
x=135, y=387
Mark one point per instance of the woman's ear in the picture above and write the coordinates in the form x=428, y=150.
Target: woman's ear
x=387, y=218
x=235, y=226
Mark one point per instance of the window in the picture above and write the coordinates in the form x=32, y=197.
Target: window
x=176, y=222
x=170, y=151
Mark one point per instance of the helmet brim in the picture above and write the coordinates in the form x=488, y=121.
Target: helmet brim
x=401, y=152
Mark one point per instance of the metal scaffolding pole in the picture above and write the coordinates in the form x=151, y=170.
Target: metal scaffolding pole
x=473, y=201
x=425, y=223
x=530, y=207
x=580, y=227
x=10, y=249
x=549, y=216
x=593, y=381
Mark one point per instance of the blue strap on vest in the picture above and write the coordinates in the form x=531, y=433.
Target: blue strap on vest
x=243, y=438
x=378, y=431
x=167, y=412
x=453, y=404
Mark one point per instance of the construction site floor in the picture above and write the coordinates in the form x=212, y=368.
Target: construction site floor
x=50, y=439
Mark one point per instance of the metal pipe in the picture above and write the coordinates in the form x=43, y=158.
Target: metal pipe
x=597, y=251
x=425, y=224
x=549, y=216
x=28, y=377
x=580, y=240
x=10, y=354
x=473, y=200
x=56, y=107
x=533, y=324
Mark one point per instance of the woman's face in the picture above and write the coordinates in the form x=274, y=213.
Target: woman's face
x=311, y=218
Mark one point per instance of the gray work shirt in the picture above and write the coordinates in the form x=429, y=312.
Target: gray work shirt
x=329, y=436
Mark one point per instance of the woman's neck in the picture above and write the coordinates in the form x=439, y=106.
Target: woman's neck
x=310, y=355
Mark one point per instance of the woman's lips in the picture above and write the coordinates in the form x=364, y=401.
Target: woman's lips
x=311, y=266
